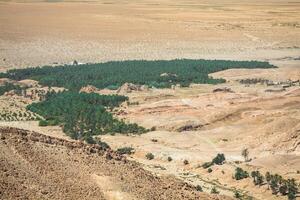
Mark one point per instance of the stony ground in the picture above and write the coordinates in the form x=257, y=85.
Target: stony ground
x=34, y=166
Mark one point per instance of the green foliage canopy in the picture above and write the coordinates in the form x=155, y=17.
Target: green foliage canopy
x=114, y=74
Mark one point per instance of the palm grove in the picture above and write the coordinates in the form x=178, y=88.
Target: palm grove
x=83, y=115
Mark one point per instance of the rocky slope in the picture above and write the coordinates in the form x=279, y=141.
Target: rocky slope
x=35, y=166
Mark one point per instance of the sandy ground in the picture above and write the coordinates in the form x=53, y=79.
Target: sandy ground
x=38, y=33
x=265, y=123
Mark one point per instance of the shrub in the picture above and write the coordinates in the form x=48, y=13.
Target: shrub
x=89, y=139
x=209, y=170
x=245, y=154
x=149, y=156
x=258, y=178
x=153, y=128
x=237, y=194
x=240, y=174
x=219, y=159
x=199, y=188
x=103, y=145
x=43, y=123
x=186, y=162
x=170, y=159
x=214, y=190
x=125, y=150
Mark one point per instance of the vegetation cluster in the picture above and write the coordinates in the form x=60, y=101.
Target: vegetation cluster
x=159, y=73
x=275, y=182
x=83, y=115
x=218, y=160
x=9, y=86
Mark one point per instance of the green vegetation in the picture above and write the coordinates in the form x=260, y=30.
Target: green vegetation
x=209, y=170
x=103, y=145
x=83, y=115
x=149, y=156
x=237, y=194
x=245, y=154
x=125, y=150
x=17, y=115
x=214, y=190
x=8, y=87
x=240, y=174
x=218, y=160
x=43, y=123
x=275, y=182
x=199, y=188
x=89, y=139
x=170, y=158
x=258, y=178
x=158, y=73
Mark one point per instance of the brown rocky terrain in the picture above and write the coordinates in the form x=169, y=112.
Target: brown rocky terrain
x=35, y=166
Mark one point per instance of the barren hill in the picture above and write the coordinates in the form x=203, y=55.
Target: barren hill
x=35, y=166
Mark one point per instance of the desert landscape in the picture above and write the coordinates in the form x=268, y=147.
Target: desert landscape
x=150, y=99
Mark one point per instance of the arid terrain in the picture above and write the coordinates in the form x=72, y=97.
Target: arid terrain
x=193, y=123
x=38, y=33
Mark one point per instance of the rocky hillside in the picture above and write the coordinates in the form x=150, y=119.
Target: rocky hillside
x=35, y=166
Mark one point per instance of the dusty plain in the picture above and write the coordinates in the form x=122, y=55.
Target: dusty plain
x=36, y=33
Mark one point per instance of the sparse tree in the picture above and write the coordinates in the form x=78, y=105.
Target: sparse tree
x=185, y=162
x=199, y=188
x=245, y=154
x=240, y=174
x=214, y=190
x=237, y=194
x=149, y=156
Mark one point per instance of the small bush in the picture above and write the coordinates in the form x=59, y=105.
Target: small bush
x=170, y=159
x=237, y=194
x=125, y=150
x=240, y=174
x=149, y=156
x=103, y=145
x=214, y=190
x=245, y=154
x=219, y=159
x=43, y=123
x=209, y=170
x=199, y=188
x=89, y=139
x=185, y=162
x=153, y=128
x=258, y=178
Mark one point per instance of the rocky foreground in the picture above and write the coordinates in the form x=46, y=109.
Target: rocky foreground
x=35, y=166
